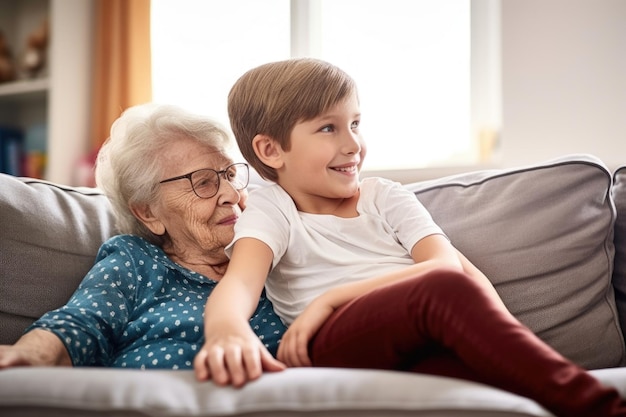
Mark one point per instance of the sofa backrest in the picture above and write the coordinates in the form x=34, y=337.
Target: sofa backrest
x=543, y=234
x=49, y=237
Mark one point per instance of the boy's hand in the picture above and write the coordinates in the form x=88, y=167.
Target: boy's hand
x=234, y=358
x=293, y=348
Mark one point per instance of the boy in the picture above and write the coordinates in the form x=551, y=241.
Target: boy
x=358, y=270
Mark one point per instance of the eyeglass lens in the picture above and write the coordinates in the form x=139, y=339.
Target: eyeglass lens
x=206, y=182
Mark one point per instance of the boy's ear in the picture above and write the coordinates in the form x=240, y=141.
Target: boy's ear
x=144, y=214
x=268, y=151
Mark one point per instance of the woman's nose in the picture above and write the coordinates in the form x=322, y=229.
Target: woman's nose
x=227, y=193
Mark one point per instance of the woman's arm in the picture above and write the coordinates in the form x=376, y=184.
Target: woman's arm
x=232, y=353
x=35, y=348
x=92, y=311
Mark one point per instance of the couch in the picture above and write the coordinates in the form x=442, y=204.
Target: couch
x=551, y=236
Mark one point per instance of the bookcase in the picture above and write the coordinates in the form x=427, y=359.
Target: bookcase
x=50, y=109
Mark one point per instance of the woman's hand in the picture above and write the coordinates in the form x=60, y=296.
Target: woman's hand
x=293, y=348
x=234, y=356
x=11, y=356
x=35, y=348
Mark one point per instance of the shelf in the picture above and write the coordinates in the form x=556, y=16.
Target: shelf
x=16, y=88
x=58, y=99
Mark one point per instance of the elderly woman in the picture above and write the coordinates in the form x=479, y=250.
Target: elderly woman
x=176, y=195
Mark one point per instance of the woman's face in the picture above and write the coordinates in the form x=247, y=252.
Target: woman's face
x=198, y=228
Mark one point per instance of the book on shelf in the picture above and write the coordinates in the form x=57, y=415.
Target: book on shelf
x=34, y=162
x=11, y=150
x=23, y=151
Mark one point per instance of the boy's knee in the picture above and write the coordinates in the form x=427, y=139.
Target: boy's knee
x=445, y=281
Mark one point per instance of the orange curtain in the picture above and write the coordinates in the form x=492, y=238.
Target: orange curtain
x=122, y=75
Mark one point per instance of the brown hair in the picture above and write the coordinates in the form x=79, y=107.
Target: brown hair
x=272, y=98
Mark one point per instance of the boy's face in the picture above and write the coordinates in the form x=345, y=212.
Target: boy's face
x=325, y=157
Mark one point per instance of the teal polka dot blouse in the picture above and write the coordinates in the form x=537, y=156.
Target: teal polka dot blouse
x=138, y=309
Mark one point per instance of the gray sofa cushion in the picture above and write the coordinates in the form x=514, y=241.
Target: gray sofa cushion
x=50, y=236
x=306, y=392
x=543, y=235
x=296, y=392
x=619, y=273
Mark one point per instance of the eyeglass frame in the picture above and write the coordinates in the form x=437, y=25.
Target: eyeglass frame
x=218, y=173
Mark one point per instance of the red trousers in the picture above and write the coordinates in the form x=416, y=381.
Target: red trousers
x=444, y=323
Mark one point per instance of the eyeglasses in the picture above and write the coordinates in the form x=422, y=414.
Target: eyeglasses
x=206, y=182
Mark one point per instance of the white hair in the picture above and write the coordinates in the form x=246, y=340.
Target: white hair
x=127, y=167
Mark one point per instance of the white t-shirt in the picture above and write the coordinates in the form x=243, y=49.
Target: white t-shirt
x=314, y=252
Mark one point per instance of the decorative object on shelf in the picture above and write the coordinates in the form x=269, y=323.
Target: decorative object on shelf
x=34, y=58
x=84, y=174
x=7, y=66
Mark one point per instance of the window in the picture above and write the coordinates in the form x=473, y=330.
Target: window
x=410, y=58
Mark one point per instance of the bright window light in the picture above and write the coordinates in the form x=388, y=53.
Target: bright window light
x=410, y=59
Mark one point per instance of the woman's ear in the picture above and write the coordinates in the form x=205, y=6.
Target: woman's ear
x=144, y=213
x=268, y=151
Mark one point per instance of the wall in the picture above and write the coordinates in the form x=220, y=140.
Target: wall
x=554, y=78
x=70, y=89
x=563, y=74
x=563, y=80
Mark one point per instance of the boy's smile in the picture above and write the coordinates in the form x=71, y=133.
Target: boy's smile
x=350, y=169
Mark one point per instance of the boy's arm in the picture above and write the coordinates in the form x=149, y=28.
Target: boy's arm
x=431, y=252
x=434, y=251
x=470, y=269
x=232, y=353
x=455, y=258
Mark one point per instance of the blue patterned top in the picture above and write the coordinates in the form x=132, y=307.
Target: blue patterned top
x=136, y=308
